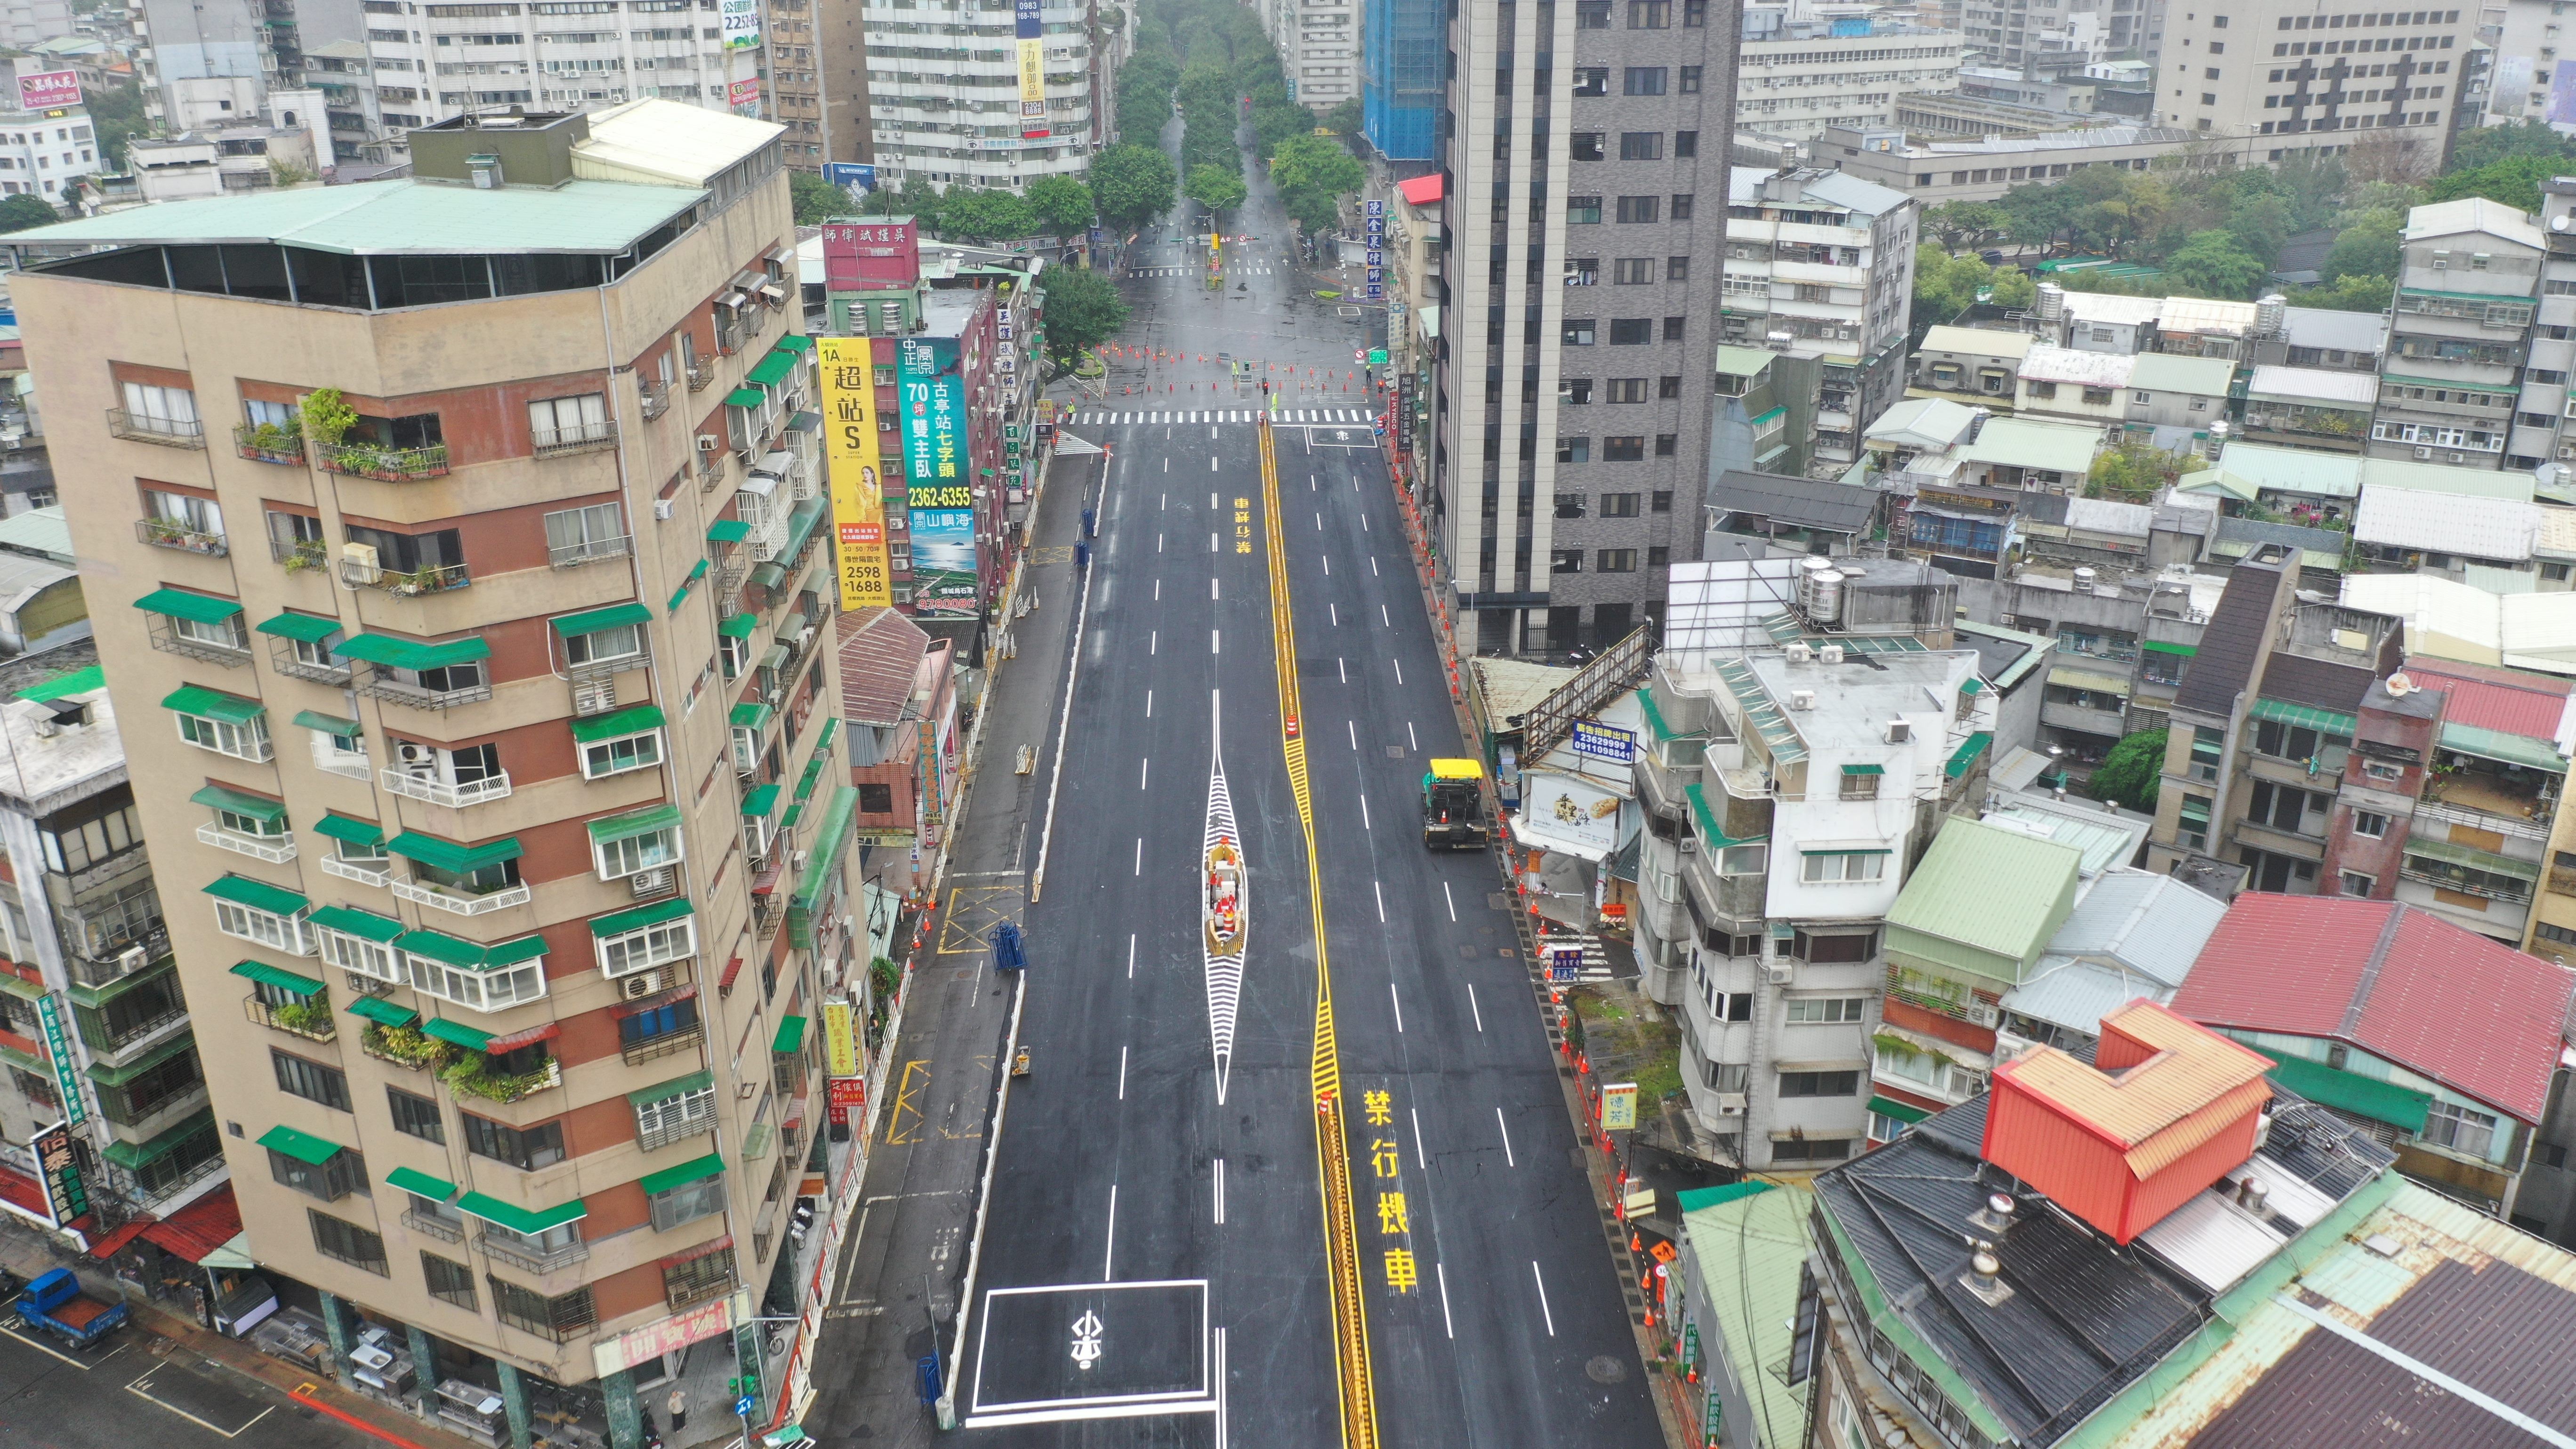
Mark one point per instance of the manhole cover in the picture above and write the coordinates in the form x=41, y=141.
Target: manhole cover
x=1395, y=752
x=1605, y=1370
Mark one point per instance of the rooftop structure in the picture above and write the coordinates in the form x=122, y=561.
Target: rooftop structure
x=2134, y=934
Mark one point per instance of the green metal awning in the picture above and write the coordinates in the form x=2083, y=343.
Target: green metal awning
x=135, y=1155
x=597, y=619
x=640, y=917
x=822, y=864
x=1972, y=685
x=750, y=715
x=774, y=657
x=196, y=608
x=356, y=832
x=676, y=1087
x=219, y=797
x=746, y=397
x=728, y=530
x=2400, y=1107
x=1715, y=838
x=304, y=1147
x=2087, y=679
x=329, y=724
x=258, y=895
x=791, y=1035
x=695, y=1170
x=383, y=1012
x=282, y=979
x=815, y=766
x=2161, y=647
x=311, y=628
x=365, y=925
x=209, y=704
x=1864, y=769
x=739, y=626
x=523, y=1221
x=79, y=681
x=449, y=856
x=456, y=1032
x=1967, y=753
x=123, y=1072
x=2473, y=858
x=761, y=803
x=793, y=343
x=411, y=1180
x=413, y=653
x=696, y=574
x=2325, y=721
x=634, y=823
x=2509, y=749
x=769, y=372
x=679, y=596
x=1898, y=1110
x=624, y=722
x=800, y=524
x=470, y=955
x=770, y=576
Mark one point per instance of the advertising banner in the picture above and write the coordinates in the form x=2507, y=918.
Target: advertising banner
x=850, y=173
x=58, y=1047
x=741, y=23
x=1619, y=1107
x=66, y=1196
x=666, y=1335
x=1033, y=112
x=46, y=90
x=840, y=1048
x=2562, y=94
x=742, y=93
x=943, y=557
x=1605, y=742
x=1565, y=813
x=933, y=409
x=852, y=463
x=870, y=255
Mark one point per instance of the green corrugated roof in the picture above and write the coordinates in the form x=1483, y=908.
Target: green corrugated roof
x=637, y=919
x=2512, y=749
x=132, y=1155
x=1742, y=361
x=304, y=1147
x=311, y=628
x=526, y=1221
x=329, y=724
x=1996, y=891
x=79, y=681
x=739, y=626
x=1966, y=754
x=746, y=397
x=613, y=726
x=449, y=856
x=694, y=1170
x=180, y=604
x=761, y=803
x=794, y=343
x=1709, y=834
x=456, y=1031
x=258, y=895
x=2401, y=1107
x=436, y=1189
x=770, y=370
x=220, y=797
x=597, y=619
x=391, y=218
x=728, y=530
x=634, y=823
x=1901, y=1111
x=791, y=1034
x=2159, y=646
x=383, y=1012
x=356, y=832
x=120, y=1073
x=1750, y=1252
x=823, y=862
x=212, y=704
x=676, y=1087
x=2281, y=712
x=365, y=925
x=412, y=653
x=472, y=956
x=750, y=715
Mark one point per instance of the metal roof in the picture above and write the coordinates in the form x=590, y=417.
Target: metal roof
x=2056, y=141
x=42, y=530
x=1925, y=423
x=2328, y=328
x=1987, y=886
x=2027, y=443
x=2320, y=683
x=1977, y=342
x=393, y=218
x=1852, y=193
x=2445, y=478
x=668, y=143
x=2173, y=372
x=1750, y=1252
x=1834, y=507
x=2489, y=528
x=2135, y=933
x=2206, y=314
x=2108, y=307
x=2314, y=384
x=1743, y=361
x=2107, y=839
x=2044, y=363
x=2231, y=642
x=881, y=653
x=2293, y=470
x=2481, y=1018
x=2156, y=1111
x=2105, y=515
x=2515, y=703
x=2474, y=214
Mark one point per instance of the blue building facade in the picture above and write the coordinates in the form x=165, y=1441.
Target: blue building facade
x=1401, y=42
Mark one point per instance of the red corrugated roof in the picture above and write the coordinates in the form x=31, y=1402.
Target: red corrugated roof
x=2493, y=699
x=22, y=1191
x=202, y=1226
x=1421, y=190
x=881, y=651
x=2481, y=1018
x=106, y=1247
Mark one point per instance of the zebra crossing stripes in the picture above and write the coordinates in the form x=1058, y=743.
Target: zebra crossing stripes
x=1286, y=417
x=1196, y=271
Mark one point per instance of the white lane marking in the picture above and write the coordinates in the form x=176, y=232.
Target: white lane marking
x=1211, y=587
x=1140, y=855
x=1364, y=523
x=1372, y=566
x=1409, y=739
x=1212, y=643
x=1141, y=767
x=1453, y=904
x=1364, y=815
x=1499, y=1126
x=1167, y=498
x=1153, y=641
x=1158, y=543
x=1220, y=1368
x=1345, y=670
x=1319, y=523
x=1354, y=728
x=1167, y=465
x=1334, y=611
x=1211, y=465
x=1211, y=498
x=1158, y=591
x=1419, y=1160
x=1391, y=996
x=1149, y=704
x=1122, y=1074
x=1211, y=540
x=1220, y=1194
x=1398, y=663
x=1473, y=1007
x=1450, y=1323
x=1131, y=955
x=1380, y=892
x=1211, y=432
x=1109, y=1250
x=1542, y=1298
x=1383, y=619
x=1328, y=566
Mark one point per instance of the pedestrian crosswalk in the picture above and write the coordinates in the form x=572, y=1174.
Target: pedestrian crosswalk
x=1197, y=271
x=1285, y=417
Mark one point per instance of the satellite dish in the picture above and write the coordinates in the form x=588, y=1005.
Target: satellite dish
x=2399, y=686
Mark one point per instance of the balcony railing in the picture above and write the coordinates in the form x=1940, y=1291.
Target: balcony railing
x=457, y=903
x=346, y=870
x=2518, y=827
x=531, y=1259
x=701, y=373
x=269, y=443
x=165, y=636
x=300, y=555
x=275, y=849
x=283, y=658
x=311, y=1018
x=384, y=686
x=581, y=438
x=114, y=964
x=439, y=792
x=405, y=1046
x=711, y=469
x=390, y=465
x=170, y=533
x=494, y=1088
x=437, y=1227
x=657, y=400
x=436, y=579
x=168, y=432
x=639, y=1052
x=574, y=555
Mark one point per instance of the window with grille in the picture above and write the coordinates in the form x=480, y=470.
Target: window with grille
x=688, y=1202
x=525, y=1148
x=699, y=1278
x=659, y=1124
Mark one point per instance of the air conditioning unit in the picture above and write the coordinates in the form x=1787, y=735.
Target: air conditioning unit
x=639, y=985
x=133, y=958
x=710, y=443
x=594, y=696
x=1780, y=974
x=1983, y=1013
x=46, y=728
x=664, y=508
x=1802, y=699
x=1799, y=654
x=1730, y=1104
x=359, y=563
x=1830, y=654
x=1900, y=731
x=407, y=754
x=649, y=882
x=802, y=857
x=2425, y=453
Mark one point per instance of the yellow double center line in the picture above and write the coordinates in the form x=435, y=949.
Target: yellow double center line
x=1332, y=1143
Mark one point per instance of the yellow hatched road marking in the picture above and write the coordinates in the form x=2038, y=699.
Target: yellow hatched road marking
x=1332, y=1144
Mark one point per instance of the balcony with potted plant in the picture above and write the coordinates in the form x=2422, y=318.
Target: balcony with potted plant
x=178, y=533
x=270, y=443
x=390, y=450
x=283, y=1001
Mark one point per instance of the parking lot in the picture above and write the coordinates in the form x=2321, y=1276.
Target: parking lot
x=123, y=1394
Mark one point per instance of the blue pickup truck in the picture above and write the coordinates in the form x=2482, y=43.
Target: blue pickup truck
x=55, y=1303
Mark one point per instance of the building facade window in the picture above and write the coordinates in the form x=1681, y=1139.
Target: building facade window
x=525, y=1148
x=349, y=1243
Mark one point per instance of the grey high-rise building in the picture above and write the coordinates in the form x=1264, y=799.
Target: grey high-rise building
x=1584, y=146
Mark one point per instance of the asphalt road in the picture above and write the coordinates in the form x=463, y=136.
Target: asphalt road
x=121, y=1394
x=1139, y=1228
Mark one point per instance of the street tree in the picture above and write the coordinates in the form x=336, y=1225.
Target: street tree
x=2132, y=772
x=2014, y=291
x=1957, y=224
x=1316, y=163
x=1132, y=185
x=2214, y=264
x=1060, y=205
x=1316, y=211
x=1346, y=118
x=815, y=198
x=19, y=212
x=1082, y=311
x=983, y=216
x=1218, y=188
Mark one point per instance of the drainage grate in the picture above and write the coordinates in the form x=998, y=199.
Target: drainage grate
x=1395, y=752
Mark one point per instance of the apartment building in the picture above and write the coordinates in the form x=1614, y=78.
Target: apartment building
x=47, y=153
x=1791, y=790
x=1400, y=80
x=1613, y=373
x=1799, y=72
x=28, y=23
x=230, y=54
x=2053, y=38
x=2527, y=36
x=2452, y=384
x=1820, y=266
x=948, y=101
x=1320, y=48
x=500, y=768
x=2305, y=68
x=1983, y=169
